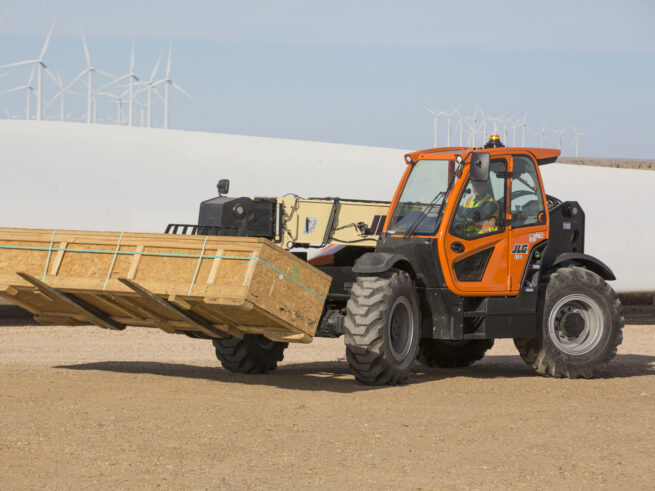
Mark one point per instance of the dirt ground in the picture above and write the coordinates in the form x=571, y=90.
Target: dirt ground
x=81, y=407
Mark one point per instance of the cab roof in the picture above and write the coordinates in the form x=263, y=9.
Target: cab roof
x=543, y=156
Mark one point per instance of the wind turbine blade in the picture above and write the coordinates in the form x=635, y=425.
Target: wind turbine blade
x=77, y=78
x=132, y=57
x=14, y=89
x=154, y=70
x=105, y=74
x=2, y=19
x=158, y=94
x=429, y=110
x=116, y=80
x=59, y=81
x=183, y=91
x=52, y=77
x=20, y=63
x=168, y=64
x=29, y=82
x=6, y=73
x=47, y=40
x=86, y=51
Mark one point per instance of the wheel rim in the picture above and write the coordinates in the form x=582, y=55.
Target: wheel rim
x=401, y=328
x=575, y=324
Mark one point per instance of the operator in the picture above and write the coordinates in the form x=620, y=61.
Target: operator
x=481, y=210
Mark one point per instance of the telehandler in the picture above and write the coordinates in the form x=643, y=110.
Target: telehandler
x=470, y=249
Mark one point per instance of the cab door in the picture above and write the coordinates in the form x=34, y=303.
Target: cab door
x=475, y=248
x=528, y=218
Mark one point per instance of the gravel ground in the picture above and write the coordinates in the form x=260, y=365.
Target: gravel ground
x=81, y=407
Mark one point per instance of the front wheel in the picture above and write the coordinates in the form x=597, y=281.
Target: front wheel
x=253, y=353
x=580, y=324
x=382, y=328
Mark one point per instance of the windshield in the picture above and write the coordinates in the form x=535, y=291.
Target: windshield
x=422, y=197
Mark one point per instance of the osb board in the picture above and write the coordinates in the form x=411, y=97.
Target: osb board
x=285, y=291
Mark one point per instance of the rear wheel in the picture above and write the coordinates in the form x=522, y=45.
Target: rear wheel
x=452, y=354
x=381, y=329
x=253, y=353
x=579, y=326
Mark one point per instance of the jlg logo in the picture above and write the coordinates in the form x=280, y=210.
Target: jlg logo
x=520, y=249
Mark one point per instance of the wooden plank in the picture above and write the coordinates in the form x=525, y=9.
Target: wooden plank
x=59, y=257
x=179, y=302
x=211, y=279
x=195, y=321
x=136, y=260
x=24, y=305
x=95, y=317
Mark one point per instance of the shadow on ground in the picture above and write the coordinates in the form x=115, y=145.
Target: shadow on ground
x=335, y=376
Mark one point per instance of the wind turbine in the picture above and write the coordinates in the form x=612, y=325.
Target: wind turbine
x=88, y=71
x=131, y=76
x=40, y=64
x=436, y=121
x=462, y=120
x=168, y=83
x=577, y=134
x=149, y=86
x=61, y=95
x=449, y=116
x=524, y=125
x=559, y=136
x=543, y=134
x=29, y=89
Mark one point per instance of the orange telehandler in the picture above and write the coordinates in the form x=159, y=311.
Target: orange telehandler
x=470, y=249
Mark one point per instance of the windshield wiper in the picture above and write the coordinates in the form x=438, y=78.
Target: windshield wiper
x=420, y=218
x=441, y=195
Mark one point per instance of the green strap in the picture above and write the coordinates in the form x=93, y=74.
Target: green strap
x=47, y=261
x=113, y=261
x=163, y=254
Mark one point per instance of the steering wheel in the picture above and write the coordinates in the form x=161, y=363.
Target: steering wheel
x=523, y=192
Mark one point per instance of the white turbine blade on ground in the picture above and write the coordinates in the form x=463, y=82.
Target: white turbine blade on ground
x=154, y=70
x=47, y=41
x=20, y=63
x=86, y=51
x=183, y=91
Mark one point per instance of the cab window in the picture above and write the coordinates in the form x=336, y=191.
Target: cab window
x=527, y=206
x=481, y=205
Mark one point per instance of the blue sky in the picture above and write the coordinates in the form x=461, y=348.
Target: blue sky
x=361, y=72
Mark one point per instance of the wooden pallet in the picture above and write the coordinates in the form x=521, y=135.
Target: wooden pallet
x=203, y=284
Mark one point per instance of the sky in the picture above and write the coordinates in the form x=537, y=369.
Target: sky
x=360, y=72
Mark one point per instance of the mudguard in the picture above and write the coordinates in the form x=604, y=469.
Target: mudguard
x=380, y=262
x=589, y=262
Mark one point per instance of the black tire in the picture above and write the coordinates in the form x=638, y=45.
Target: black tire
x=579, y=325
x=253, y=353
x=452, y=354
x=382, y=328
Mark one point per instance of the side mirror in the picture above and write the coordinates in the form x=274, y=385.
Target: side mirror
x=223, y=186
x=480, y=166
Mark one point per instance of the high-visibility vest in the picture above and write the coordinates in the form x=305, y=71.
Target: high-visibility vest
x=487, y=225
